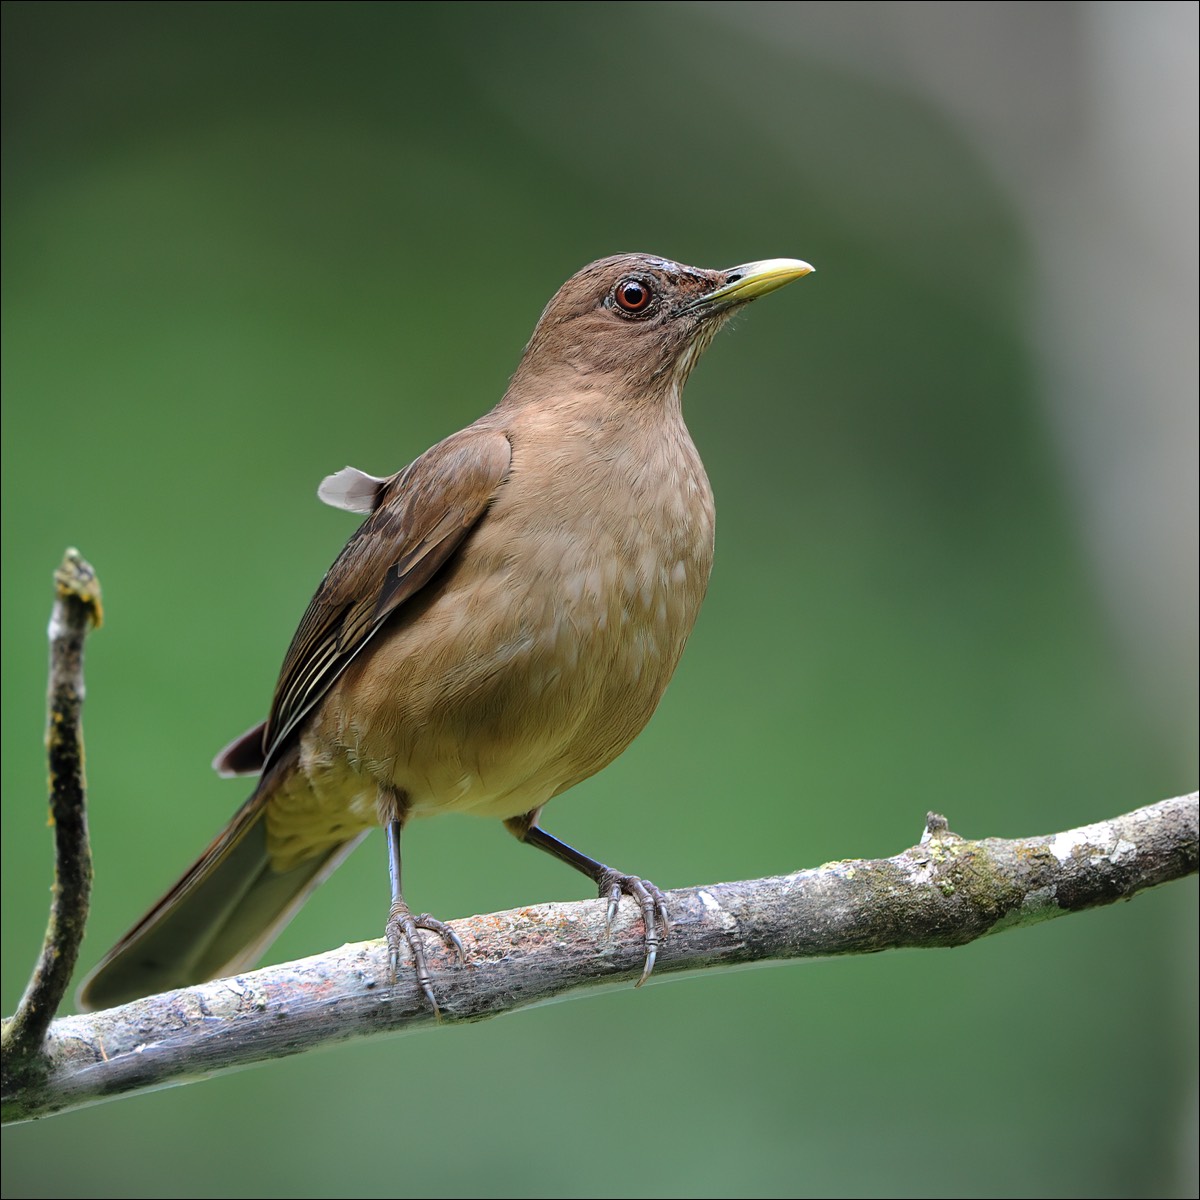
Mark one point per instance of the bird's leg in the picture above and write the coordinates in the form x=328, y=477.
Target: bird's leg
x=402, y=926
x=612, y=884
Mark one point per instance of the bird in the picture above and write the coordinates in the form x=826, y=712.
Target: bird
x=500, y=627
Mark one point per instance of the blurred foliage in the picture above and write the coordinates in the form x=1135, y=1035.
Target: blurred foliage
x=246, y=244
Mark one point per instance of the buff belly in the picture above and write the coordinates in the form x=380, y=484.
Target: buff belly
x=554, y=700
x=537, y=658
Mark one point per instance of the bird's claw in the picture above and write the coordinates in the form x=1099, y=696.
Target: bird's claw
x=650, y=900
x=401, y=930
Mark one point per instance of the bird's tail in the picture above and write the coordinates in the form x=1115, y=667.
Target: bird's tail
x=221, y=915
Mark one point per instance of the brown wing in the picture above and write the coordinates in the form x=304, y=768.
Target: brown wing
x=424, y=514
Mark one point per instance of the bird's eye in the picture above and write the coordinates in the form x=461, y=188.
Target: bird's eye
x=633, y=295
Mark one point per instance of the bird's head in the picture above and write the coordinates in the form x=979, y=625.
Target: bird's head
x=634, y=324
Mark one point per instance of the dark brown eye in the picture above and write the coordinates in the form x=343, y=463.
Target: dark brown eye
x=632, y=295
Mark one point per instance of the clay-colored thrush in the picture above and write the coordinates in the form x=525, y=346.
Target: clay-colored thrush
x=500, y=627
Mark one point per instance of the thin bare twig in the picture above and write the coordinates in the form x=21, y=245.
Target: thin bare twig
x=76, y=612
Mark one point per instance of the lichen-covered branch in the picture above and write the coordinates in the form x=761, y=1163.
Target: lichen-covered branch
x=76, y=612
x=943, y=892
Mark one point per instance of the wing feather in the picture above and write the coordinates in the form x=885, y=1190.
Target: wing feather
x=424, y=514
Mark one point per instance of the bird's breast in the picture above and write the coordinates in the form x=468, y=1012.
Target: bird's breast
x=543, y=647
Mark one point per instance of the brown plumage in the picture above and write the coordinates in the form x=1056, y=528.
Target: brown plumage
x=500, y=627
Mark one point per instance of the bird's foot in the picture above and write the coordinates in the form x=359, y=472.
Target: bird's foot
x=614, y=885
x=401, y=930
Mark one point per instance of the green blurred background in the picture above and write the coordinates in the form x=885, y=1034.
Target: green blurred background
x=956, y=553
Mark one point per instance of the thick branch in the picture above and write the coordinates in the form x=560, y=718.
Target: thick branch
x=943, y=892
x=76, y=611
